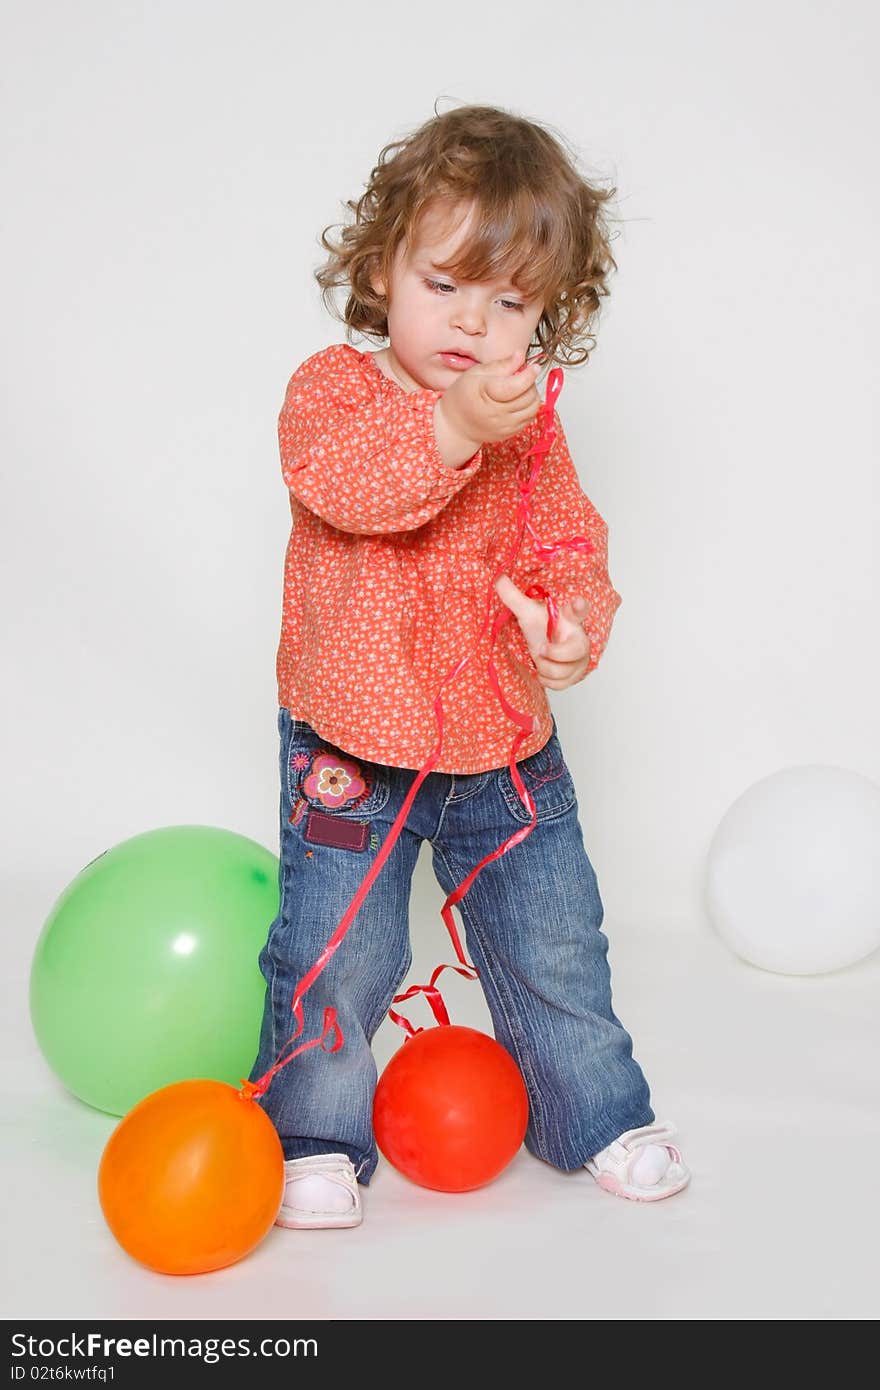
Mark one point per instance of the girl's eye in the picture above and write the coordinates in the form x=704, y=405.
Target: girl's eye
x=440, y=287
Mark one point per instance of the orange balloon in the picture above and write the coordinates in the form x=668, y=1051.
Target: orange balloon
x=191, y=1178
x=450, y=1109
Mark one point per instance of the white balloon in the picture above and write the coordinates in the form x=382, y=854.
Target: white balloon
x=793, y=880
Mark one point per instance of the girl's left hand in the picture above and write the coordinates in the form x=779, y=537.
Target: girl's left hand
x=563, y=661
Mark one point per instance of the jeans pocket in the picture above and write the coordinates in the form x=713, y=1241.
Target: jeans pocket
x=327, y=778
x=546, y=777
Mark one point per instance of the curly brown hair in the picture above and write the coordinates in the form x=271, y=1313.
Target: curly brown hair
x=539, y=223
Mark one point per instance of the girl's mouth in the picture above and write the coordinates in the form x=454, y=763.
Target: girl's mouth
x=458, y=361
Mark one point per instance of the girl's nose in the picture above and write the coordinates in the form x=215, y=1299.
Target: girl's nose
x=467, y=316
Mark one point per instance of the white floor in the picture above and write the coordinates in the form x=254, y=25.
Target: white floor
x=772, y=1080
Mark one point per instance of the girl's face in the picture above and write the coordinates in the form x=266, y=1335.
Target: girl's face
x=439, y=326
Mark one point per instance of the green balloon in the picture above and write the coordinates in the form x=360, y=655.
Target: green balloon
x=146, y=971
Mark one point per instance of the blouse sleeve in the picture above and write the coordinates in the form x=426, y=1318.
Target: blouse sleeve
x=363, y=458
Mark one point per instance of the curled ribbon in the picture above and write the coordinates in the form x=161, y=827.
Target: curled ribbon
x=543, y=552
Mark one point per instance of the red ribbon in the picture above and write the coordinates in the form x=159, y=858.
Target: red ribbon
x=527, y=725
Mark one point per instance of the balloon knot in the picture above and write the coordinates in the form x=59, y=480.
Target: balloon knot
x=250, y=1089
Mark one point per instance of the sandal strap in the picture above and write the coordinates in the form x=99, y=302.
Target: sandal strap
x=338, y=1168
x=626, y=1148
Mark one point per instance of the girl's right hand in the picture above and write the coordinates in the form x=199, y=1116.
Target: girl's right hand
x=491, y=400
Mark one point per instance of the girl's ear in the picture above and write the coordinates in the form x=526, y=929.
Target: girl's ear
x=377, y=283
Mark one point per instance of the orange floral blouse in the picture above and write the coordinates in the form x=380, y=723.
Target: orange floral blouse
x=390, y=564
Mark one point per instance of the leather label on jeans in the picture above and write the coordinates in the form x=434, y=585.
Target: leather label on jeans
x=322, y=829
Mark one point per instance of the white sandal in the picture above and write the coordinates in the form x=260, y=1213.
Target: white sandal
x=612, y=1167
x=303, y=1210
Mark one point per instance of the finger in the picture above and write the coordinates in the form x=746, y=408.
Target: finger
x=523, y=362
x=520, y=387
x=508, y=592
x=528, y=402
x=529, y=613
x=564, y=649
x=553, y=666
x=563, y=670
x=578, y=606
x=513, y=597
x=504, y=387
x=518, y=416
x=570, y=622
x=570, y=646
x=562, y=685
x=502, y=366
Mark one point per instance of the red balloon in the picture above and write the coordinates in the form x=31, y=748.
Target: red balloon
x=450, y=1110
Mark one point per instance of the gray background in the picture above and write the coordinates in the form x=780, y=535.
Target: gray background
x=168, y=169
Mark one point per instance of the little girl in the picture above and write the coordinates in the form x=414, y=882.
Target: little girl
x=476, y=239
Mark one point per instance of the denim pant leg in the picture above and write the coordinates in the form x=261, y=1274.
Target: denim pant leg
x=322, y=1102
x=533, y=926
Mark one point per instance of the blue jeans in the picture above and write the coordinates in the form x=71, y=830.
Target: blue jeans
x=532, y=922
